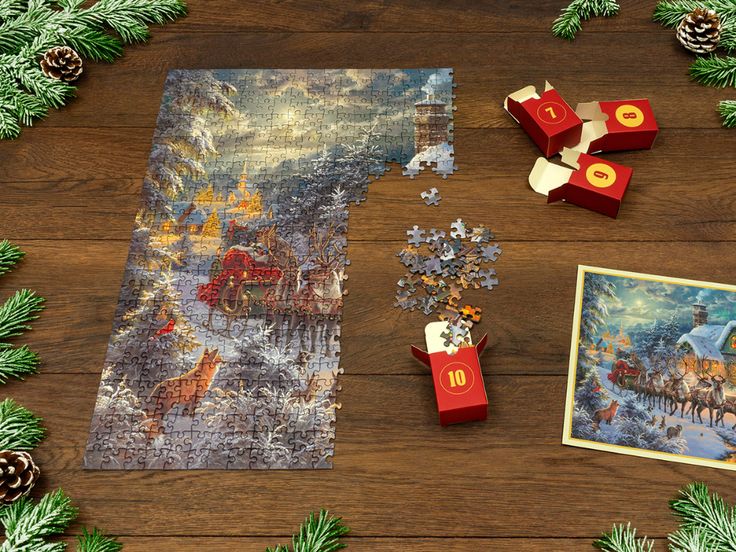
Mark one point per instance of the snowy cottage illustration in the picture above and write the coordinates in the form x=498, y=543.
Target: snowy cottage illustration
x=708, y=347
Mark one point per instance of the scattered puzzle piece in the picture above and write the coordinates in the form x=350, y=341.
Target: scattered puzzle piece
x=431, y=197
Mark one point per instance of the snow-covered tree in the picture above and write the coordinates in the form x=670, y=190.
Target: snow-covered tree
x=590, y=394
x=658, y=342
x=155, y=335
x=596, y=292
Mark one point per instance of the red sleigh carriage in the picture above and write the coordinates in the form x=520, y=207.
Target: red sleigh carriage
x=239, y=282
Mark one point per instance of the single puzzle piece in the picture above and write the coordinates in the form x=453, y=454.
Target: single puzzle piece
x=458, y=229
x=471, y=313
x=431, y=197
x=416, y=236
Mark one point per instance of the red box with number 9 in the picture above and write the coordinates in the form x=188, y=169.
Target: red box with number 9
x=458, y=382
x=548, y=119
x=592, y=182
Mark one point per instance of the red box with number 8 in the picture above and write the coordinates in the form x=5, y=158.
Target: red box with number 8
x=548, y=119
x=458, y=380
x=616, y=126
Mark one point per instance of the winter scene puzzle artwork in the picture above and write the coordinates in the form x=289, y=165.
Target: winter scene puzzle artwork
x=224, y=352
x=653, y=368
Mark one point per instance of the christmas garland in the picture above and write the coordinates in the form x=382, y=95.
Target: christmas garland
x=707, y=524
x=42, y=43
x=28, y=524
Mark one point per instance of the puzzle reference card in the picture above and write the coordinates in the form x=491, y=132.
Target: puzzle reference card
x=653, y=367
x=224, y=352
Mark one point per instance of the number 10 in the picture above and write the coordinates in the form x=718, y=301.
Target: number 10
x=457, y=378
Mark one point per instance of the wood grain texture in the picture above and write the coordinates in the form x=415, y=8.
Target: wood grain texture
x=70, y=187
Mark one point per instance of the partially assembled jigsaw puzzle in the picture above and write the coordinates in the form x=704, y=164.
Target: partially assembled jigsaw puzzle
x=225, y=345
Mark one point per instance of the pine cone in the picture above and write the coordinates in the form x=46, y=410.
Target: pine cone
x=700, y=31
x=18, y=475
x=62, y=63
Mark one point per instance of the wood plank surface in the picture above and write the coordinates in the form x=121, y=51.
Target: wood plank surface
x=71, y=185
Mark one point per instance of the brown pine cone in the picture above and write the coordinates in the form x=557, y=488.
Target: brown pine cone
x=62, y=63
x=700, y=31
x=18, y=475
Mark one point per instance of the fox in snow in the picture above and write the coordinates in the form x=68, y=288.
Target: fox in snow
x=605, y=414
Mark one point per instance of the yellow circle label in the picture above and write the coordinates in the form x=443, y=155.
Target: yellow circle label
x=457, y=378
x=601, y=175
x=551, y=113
x=629, y=115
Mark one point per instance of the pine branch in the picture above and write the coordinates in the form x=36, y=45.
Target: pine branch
x=18, y=311
x=17, y=362
x=321, y=534
x=570, y=20
x=97, y=542
x=9, y=256
x=28, y=525
x=698, y=510
x=690, y=541
x=29, y=29
x=727, y=108
x=670, y=13
x=714, y=71
x=20, y=429
x=623, y=539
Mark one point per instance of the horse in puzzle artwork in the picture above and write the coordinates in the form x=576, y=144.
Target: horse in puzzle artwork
x=186, y=390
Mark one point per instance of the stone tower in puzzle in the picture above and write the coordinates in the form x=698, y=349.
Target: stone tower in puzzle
x=431, y=123
x=700, y=315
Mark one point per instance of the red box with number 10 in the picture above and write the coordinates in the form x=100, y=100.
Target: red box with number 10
x=458, y=380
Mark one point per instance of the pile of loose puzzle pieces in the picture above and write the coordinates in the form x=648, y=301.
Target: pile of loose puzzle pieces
x=440, y=266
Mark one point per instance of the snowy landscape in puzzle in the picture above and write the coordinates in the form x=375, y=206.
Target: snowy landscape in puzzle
x=656, y=367
x=225, y=345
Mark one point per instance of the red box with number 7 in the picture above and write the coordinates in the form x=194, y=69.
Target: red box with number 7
x=548, y=119
x=616, y=126
x=592, y=182
x=458, y=380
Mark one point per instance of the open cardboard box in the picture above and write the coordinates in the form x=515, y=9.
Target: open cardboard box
x=616, y=126
x=547, y=118
x=591, y=182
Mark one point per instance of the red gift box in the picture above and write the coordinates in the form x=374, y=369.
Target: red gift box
x=547, y=118
x=458, y=380
x=592, y=183
x=616, y=126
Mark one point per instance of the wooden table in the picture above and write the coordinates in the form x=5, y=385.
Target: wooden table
x=71, y=187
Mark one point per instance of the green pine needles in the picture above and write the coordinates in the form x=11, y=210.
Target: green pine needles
x=29, y=28
x=317, y=534
x=29, y=525
x=727, y=108
x=570, y=20
x=20, y=429
x=707, y=524
x=712, y=70
x=15, y=317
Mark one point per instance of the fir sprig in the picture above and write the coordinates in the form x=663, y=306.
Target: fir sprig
x=10, y=254
x=97, y=542
x=20, y=429
x=622, y=538
x=714, y=71
x=727, y=109
x=570, y=20
x=18, y=311
x=16, y=362
x=707, y=524
x=698, y=510
x=29, y=29
x=28, y=525
x=317, y=534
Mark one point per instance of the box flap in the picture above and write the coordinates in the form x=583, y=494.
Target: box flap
x=546, y=176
